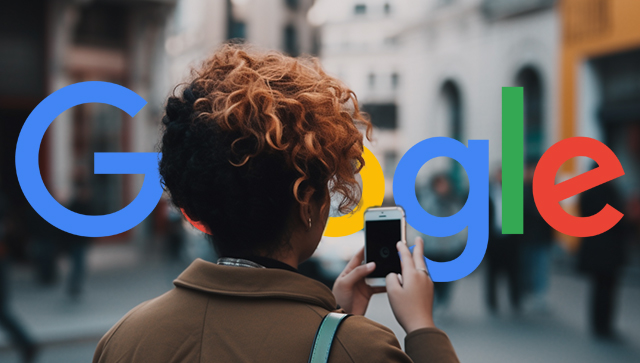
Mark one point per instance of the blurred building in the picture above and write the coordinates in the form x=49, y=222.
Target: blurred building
x=197, y=27
x=600, y=91
x=421, y=68
x=600, y=84
x=112, y=41
x=22, y=82
x=359, y=45
x=460, y=54
x=148, y=46
x=46, y=45
x=436, y=68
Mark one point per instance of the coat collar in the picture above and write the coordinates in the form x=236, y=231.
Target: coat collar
x=254, y=283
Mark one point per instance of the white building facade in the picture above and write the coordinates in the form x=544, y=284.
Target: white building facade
x=443, y=64
x=460, y=56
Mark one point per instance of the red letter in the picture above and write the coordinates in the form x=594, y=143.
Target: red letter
x=547, y=193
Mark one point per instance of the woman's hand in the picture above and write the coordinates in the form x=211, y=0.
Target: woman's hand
x=350, y=290
x=412, y=299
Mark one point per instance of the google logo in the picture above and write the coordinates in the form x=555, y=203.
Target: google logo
x=474, y=158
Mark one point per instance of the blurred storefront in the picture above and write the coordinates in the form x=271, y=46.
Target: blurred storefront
x=600, y=84
x=601, y=77
x=148, y=46
x=22, y=84
x=112, y=41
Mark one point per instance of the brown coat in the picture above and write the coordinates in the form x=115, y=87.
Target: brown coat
x=238, y=314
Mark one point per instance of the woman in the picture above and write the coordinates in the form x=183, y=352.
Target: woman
x=253, y=148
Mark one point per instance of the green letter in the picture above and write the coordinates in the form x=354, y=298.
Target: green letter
x=512, y=159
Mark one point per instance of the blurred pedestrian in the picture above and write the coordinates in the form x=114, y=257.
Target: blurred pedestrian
x=43, y=240
x=253, y=148
x=441, y=200
x=8, y=321
x=537, y=246
x=74, y=246
x=175, y=233
x=504, y=252
x=601, y=258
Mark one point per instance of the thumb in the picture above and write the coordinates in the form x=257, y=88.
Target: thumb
x=393, y=283
x=358, y=273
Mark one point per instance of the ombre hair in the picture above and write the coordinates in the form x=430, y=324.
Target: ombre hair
x=250, y=134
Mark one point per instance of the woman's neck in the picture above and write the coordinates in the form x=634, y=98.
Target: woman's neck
x=289, y=258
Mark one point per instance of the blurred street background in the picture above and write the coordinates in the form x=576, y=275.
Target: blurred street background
x=420, y=68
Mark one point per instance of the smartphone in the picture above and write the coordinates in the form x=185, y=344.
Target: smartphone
x=383, y=228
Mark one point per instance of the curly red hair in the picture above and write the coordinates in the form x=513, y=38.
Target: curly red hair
x=252, y=135
x=286, y=105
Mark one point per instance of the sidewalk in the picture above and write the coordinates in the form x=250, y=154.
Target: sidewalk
x=119, y=278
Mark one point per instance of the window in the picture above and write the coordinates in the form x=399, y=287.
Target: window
x=383, y=115
x=395, y=80
x=454, y=119
x=451, y=94
x=372, y=80
x=529, y=79
x=291, y=40
x=360, y=9
x=102, y=25
x=237, y=30
x=292, y=4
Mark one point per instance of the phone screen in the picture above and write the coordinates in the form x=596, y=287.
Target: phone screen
x=381, y=238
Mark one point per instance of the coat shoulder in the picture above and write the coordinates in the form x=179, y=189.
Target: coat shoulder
x=171, y=322
x=365, y=340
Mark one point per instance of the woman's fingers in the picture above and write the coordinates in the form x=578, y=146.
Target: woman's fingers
x=406, y=260
x=393, y=284
x=418, y=254
x=358, y=273
x=355, y=261
x=378, y=289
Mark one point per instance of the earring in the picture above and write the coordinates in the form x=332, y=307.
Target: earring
x=309, y=222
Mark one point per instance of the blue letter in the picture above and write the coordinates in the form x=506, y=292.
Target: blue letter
x=37, y=194
x=474, y=214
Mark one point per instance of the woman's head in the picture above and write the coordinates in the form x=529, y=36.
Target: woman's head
x=255, y=143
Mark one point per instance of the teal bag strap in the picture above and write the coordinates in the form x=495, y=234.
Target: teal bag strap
x=324, y=337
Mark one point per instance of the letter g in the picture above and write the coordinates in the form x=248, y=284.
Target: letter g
x=474, y=214
x=33, y=187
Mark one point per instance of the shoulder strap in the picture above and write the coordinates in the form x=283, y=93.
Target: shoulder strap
x=324, y=337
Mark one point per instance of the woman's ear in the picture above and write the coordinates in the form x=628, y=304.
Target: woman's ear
x=305, y=208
